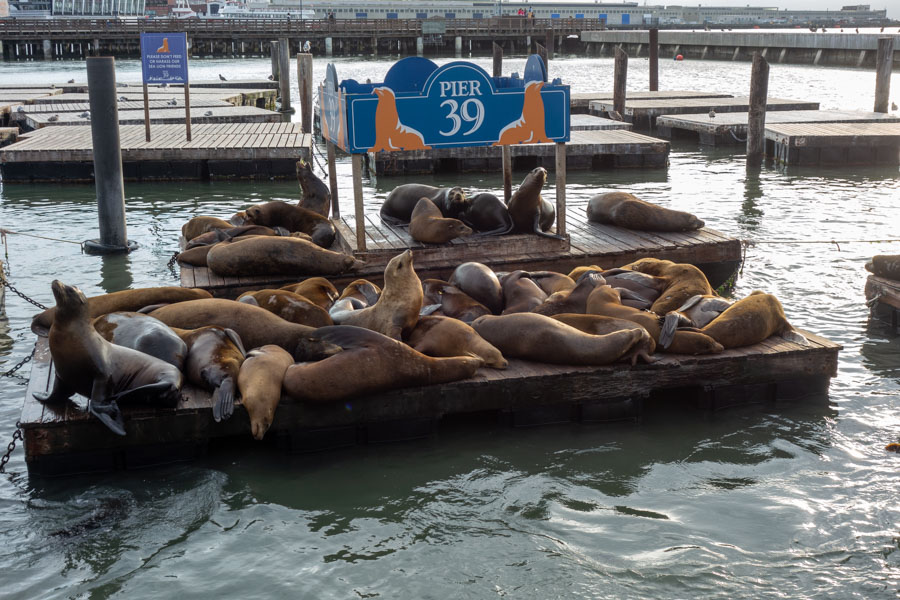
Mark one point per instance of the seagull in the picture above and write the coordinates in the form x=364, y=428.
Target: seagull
x=306, y=46
x=222, y=77
x=22, y=109
x=52, y=86
x=120, y=84
x=123, y=99
x=271, y=78
x=172, y=102
x=615, y=115
x=54, y=119
x=164, y=85
x=85, y=115
x=71, y=81
x=712, y=114
x=208, y=113
x=893, y=106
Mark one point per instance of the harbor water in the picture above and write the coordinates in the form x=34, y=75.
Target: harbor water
x=788, y=501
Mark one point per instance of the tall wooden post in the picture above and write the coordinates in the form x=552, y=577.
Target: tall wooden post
x=654, y=60
x=284, y=71
x=620, y=77
x=332, y=181
x=273, y=51
x=548, y=43
x=560, y=188
x=146, y=114
x=358, y=203
x=507, y=173
x=305, y=85
x=884, y=61
x=542, y=52
x=498, y=60
x=756, y=119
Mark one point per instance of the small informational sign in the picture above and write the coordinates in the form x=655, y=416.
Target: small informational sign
x=164, y=57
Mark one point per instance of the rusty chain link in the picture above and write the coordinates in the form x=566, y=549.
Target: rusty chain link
x=17, y=435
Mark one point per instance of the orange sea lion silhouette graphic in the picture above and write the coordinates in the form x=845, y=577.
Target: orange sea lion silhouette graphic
x=164, y=49
x=529, y=128
x=390, y=133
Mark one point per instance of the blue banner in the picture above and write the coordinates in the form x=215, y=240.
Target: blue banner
x=164, y=57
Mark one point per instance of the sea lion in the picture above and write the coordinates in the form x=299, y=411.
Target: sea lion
x=317, y=290
x=428, y=226
x=682, y=282
x=220, y=235
x=363, y=290
x=202, y=224
x=259, y=381
x=647, y=286
x=751, y=320
x=142, y=333
x=398, y=206
x=526, y=205
x=885, y=265
x=573, y=301
x=577, y=272
x=105, y=373
x=628, y=211
x=479, y=282
x=397, y=309
x=445, y=336
x=197, y=256
x=432, y=290
x=255, y=326
x=605, y=301
x=538, y=337
x=316, y=195
x=548, y=214
x=377, y=364
x=521, y=293
x=214, y=359
x=488, y=215
x=292, y=218
x=600, y=325
x=289, y=306
x=697, y=312
x=267, y=255
x=123, y=301
x=239, y=218
x=552, y=282
x=459, y=305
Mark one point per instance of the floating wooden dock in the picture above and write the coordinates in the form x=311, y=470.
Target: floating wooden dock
x=834, y=144
x=67, y=441
x=158, y=116
x=883, y=298
x=17, y=115
x=643, y=113
x=592, y=123
x=611, y=148
x=580, y=103
x=728, y=129
x=216, y=151
x=237, y=97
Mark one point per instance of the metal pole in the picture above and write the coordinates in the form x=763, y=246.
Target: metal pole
x=654, y=60
x=884, y=60
x=560, y=188
x=358, y=204
x=304, y=83
x=284, y=79
x=756, y=118
x=507, y=174
x=621, y=74
x=107, y=151
x=498, y=60
x=332, y=181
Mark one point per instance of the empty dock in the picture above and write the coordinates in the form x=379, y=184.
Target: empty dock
x=592, y=123
x=643, y=113
x=834, y=144
x=158, y=116
x=580, y=103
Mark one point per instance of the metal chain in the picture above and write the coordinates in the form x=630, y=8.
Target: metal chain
x=17, y=435
x=12, y=372
x=5, y=282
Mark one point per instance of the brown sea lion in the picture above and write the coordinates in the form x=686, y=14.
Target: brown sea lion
x=526, y=205
x=479, y=282
x=363, y=290
x=647, y=286
x=445, y=336
x=628, y=211
x=885, y=265
x=255, y=326
x=196, y=257
x=577, y=272
x=220, y=235
x=488, y=215
x=397, y=309
x=376, y=364
x=600, y=325
x=316, y=195
x=697, y=312
x=552, y=282
x=105, y=373
x=443, y=299
x=432, y=290
x=427, y=225
x=682, y=282
x=123, y=301
x=292, y=218
x=239, y=218
x=259, y=381
x=318, y=290
x=142, y=333
x=289, y=306
x=200, y=225
x=751, y=320
x=268, y=255
x=540, y=338
x=573, y=301
x=398, y=206
x=214, y=359
x=521, y=293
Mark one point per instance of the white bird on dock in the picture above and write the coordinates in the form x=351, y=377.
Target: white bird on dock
x=172, y=102
x=893, y=107
x=85, y=115
x=712, y=114
x=20, y=109
x=208, y=113
x=615, y=115
x=54, y=119
x=71, y=81
x=123, y=99
x=222, y=77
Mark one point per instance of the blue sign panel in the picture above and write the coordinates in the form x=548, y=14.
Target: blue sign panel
x=164, y=57
x=421, y=106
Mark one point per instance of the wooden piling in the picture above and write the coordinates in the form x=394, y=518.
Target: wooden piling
x=654, y=60
x=560, y=188
x=548, y=44
x=358, y=204
x=756, y=117
x=506, y=159
x=620, y=76
x=305, y=85
x=273, y=55
x=498, y=60
x=284, y=81
x=332, y=181
x=884, y=60
x=542, y=52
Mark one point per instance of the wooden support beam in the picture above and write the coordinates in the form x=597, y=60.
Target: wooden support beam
x=884, y=60
x=561, y=188
x=619, y=78
x=332, y=181
x=507, y=173
x=756, y=118
x=358, y=204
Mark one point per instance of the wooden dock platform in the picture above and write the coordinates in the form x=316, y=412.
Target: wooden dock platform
x=883, y=297
x=17, y=115
x=643, y=113
x=580, y=103
x=592, y=123
x=263, y=98
x=68, y=441
x=729, y=129
x=610, y=148
x=158, y=116
x=834, y=144
x=216, y=151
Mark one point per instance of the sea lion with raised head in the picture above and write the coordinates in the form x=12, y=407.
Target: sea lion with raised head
x=751, y=320
x=105, y=373
x=268, y=255
x=259, y=381
x=526, y=206
x=479, y=282
x=316, y=195
x=214, y=359
x=445, y=336
x=626, y=210
x=289, y=306
x=429, y=226
x=398, y=206
x=142, y=333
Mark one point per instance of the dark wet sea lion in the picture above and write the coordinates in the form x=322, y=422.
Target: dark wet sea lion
x=266, y=255
x=751, y=320
x=526, y=205
x=363, y=290
x=648, y=286
x=885, y=265
x=429, y=226
x=479, y=282
x=552, y=282
x=105, y=373
x=316, y=195
x=293, y=218
x=220, y=235
x=445, y=336
x=520, y=293
x=548, y=214
x=214, y=359
x=572, y=301
x=259, y=381
x=316, y=289
x=697, y=312
x=625, y=210
x=202, y=224
x=576, y=273
x=142, y=333
x=377, y=364
x=289, y=306
x=600, y=325
x=682, y=282
x=488, y=215
x=398, y=206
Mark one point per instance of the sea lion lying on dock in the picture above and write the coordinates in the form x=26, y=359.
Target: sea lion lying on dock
x=572, y=301
x=682, y=282
x=143, y=333
x=289, y=306
x=318, y=290
x=259, y=380
x=629, y=211
x=429, y=226
x=751, y=320
x=214, y=360
x=480, y=283
x=521, y=293
x=600, y=325
x=398, y=207
x=488, y=215
x=202, y=224
x=445, y=336
x=293, y=218
x=268, y=255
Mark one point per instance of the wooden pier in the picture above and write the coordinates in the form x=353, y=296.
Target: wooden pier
x=237, y=97
x=643, y=113
x=728, y=129
x=580, y=103
x=610, y=148
x=67, y=440
x=18, y=116
x=883, y=297
x=216, y=151
x=592, y=123
x=834, y=144
x=158, y=116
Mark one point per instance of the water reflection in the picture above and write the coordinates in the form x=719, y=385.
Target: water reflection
x=751, y=214
x=881, y=348
x=115, y=272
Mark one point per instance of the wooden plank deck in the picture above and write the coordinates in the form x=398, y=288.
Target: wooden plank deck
x=834, y=144
x=78, y=107
x=883, y=297
x=643, y=113
x=592, y=123
x=160, y=116
x=236, y=97
x=612, y=148
x=215, y=151
x=66, y=440
x=731, y=128
x=580, y=103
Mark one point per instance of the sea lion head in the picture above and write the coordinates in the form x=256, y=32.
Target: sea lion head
x=70, y=301
x=252, y=214
x=455, y=228
x=539, y=174
x=399, y=266
x=238, y=218
x=323, y=234
x=457, y=203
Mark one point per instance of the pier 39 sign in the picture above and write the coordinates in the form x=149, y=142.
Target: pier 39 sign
x=422, y=106
x=164, y=57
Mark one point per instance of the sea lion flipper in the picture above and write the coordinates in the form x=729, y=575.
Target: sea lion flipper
x=105, y=408
x=427, y=310
x=60, y=392
x=792, y=335
x=667, y=332
x=348, y=336
x=236, y=339
x=223, y=400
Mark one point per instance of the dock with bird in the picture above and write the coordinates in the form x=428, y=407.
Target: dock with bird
x=830, y=144
x=643, y=113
